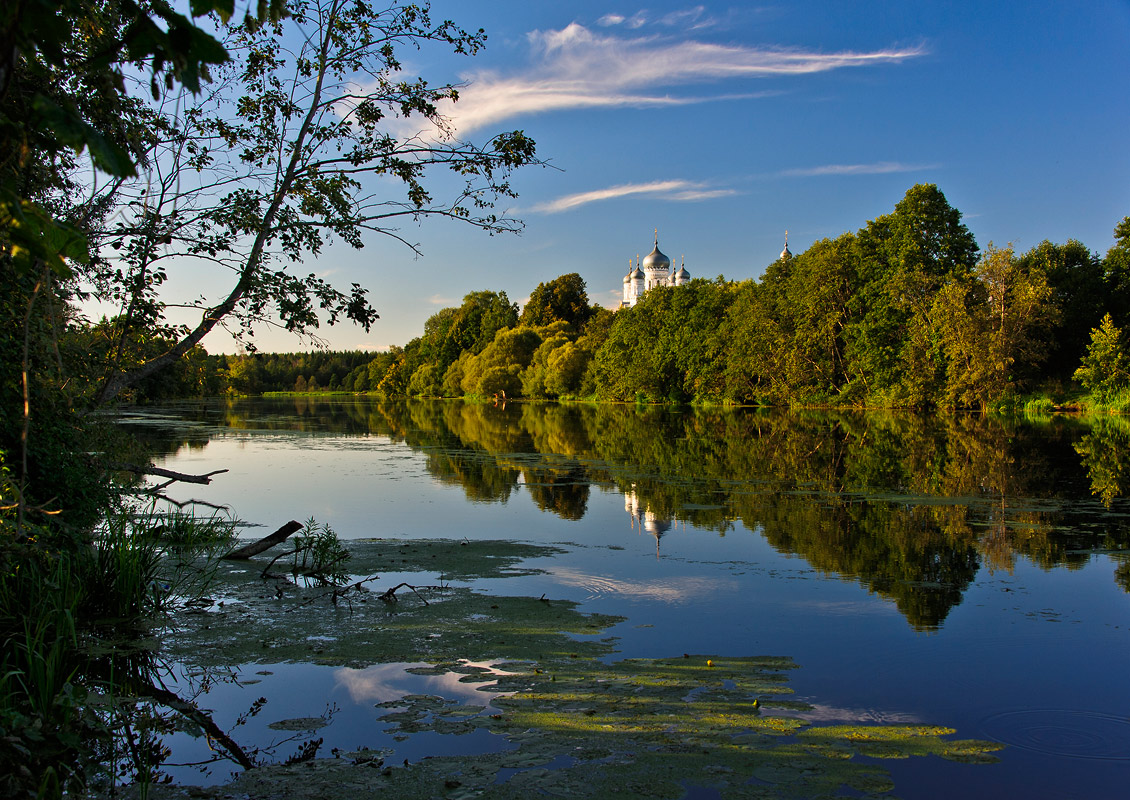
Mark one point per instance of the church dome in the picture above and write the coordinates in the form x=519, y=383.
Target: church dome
x=655, y=260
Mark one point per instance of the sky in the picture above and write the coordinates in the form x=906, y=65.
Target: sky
x=724, y=125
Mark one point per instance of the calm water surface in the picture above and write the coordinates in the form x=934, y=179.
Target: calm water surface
x=961, y=571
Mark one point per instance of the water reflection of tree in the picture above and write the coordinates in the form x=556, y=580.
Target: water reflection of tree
x=909, y=506
x=1105, y=451
x=564, y=492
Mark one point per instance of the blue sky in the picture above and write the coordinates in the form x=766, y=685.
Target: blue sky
x=723, y=125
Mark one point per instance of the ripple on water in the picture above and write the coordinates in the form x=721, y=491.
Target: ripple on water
x=1062, y=732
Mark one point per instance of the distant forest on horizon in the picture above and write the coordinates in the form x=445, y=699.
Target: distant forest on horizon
x=908, y=311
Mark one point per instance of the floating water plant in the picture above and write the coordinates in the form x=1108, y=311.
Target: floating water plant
x=576, y=725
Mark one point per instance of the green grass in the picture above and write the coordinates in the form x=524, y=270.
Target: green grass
x=1117, y=402
x=74, y=618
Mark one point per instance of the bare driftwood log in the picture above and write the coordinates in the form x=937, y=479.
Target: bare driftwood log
x=266, y=543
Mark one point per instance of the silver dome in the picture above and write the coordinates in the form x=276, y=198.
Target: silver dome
x=656, y=260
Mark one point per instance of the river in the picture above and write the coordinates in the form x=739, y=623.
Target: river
x=960, y=571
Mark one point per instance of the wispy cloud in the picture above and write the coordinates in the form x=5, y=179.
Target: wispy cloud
x=877, y=168
x=637, y=20
x=440, y=300
x=576, y=67
x=687, y=18
x=674, y=190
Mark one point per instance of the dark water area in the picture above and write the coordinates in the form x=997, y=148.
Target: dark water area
x=960, y=571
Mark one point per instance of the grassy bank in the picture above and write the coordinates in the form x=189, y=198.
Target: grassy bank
x=76, y=618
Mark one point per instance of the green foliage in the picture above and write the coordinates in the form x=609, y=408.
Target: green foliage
x=468, y=328
x=668, y=346
x=1116, y=273
x=565, y=369
x=993, y=327
x=453, y=377
x=901, y=313
x=1105, y=369
x=804, y=309
x=394, y=381
x=1078, y=292
x=534, y=377
x=63, y=77
x=426, y=381
x=40, y=707
x=319, y=554
x=66, y=618
x=499, y=366
x=905, y=257
x=563, y=299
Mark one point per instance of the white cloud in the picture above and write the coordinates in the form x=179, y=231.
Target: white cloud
x=676, y=190
x=696, y=195
x=578, y=68
x=687, y=18
x=877, y=168
x=440, y=300
x=637, y=20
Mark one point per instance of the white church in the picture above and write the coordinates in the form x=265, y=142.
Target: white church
x=654, y=270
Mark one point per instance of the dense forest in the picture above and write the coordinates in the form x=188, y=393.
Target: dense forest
x=906, y=312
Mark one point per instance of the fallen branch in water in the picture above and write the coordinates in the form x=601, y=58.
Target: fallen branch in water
x=157, y=492
x=266, y=543
x=161, y=472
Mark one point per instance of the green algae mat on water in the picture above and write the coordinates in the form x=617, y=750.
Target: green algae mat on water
x=254, y=619
x=575, y=725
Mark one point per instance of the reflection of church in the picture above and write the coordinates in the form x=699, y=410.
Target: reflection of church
x=644, y=519
x=654, y=270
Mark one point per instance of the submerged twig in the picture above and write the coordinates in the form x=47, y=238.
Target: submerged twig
x=336, y=593
x=390, y=595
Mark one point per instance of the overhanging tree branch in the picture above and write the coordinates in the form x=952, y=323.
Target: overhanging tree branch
x=276, y=161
